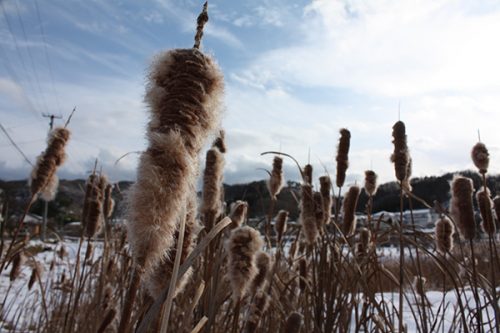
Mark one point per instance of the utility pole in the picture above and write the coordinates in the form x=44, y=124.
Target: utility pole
x=46, y=203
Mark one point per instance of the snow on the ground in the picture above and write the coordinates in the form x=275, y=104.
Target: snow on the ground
x=21, y=307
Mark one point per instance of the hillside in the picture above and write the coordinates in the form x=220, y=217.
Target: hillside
x=67, y=206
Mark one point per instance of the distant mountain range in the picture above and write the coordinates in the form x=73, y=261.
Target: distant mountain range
x=67, y=205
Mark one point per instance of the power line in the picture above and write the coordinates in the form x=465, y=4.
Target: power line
x=37, y=80
x=51, y=72
x=15, y=145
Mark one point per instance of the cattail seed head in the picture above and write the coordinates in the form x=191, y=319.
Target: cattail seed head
x=325, y=185
x=47, y=163
x=400, y=156
x=243, y=244
x=496, y=205
x=370, y=182
x=184, y=95
x=108, y=319
x=419, y=283
x=320, y=218
x=212, y=186
x=159, y=278
x=36, y=273
x=49, y=192
x=486, y=210
x=238, y=213
x=293, y=323
x=308, y=214
x=308, y=173
x=444, y=235
x=303, y=274
x=263, y=263
x=365, y=238
x=109, y=202
x=220, y=142
x=480, y=157
x=17, y=262
x=462, y=210
x=343, y=156
x=258, y=307
x=276, y=181
x=349, y=206
x=280, y=224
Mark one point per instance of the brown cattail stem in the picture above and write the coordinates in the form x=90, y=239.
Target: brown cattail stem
x=129, y=301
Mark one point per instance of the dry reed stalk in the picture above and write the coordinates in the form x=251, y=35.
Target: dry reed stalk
x=280, y=224
x=444, y=235
x=238, y=213
x=293, y=323
x=400, y=156
x=263, y=263
x=47, y=163
x=276, y=181
x=349, y=206
x=496, y=205
x=370, y=182
x=485, y=208
x=211, y=206
x=343, y=156
x=242, y=248
x=308, y=214
x=462, y=209
x=325, y=185
x=480, y=157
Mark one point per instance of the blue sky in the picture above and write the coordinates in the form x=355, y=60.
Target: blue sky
x=295, y=72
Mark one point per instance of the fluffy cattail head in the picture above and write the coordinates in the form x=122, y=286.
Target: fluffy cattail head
x=276, y=181
x=17, y=262
x=343, y=156
x=94, y=216
x=400, y=156
x=109, y=202
x=49, y=192
x=184, y=93
x=308, y=214
x=444, y=235
x=496, y=205
x=419, y=283
x=47, y=163
x=263, y=263
x=325, y=185
x=480, y=157
x=242, y=248
x=36, y=273
x=406, y=183
x=211, y=204
x=303, y=274
x=238, y=213
x=293, y=323
x=280, y=224
x=258, y=307
x=220, y=142
x=320, y=218
x=308, y=173
x=349, y=206
x=370, y=182
x=485, y=208
x=462, y=210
